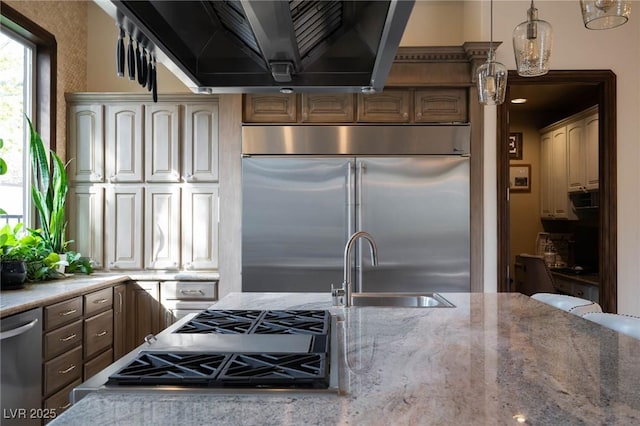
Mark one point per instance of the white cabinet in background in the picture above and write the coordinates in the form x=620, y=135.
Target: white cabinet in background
x=582, y=146
x=86, y=143
x=162, y=227
x=200, y=227
x=124, y=226
x=162, y=130
x=87, y=204
x=554, y=199
x=124, y=142
x=200, y=147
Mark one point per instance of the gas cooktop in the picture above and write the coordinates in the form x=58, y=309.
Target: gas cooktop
x=236, y=349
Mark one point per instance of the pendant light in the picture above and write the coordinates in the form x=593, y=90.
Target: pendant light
x=532, y=45
x=492, y=76
x=605, y=14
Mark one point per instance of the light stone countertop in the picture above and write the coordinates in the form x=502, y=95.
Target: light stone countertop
x=493, y=359
x=43, y=293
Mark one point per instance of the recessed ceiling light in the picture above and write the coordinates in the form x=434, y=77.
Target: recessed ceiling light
x=518, y=101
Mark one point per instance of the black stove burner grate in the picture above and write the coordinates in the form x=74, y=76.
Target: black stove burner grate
x=222, y=322
x=271, y=370
x=259, y=322
x=171, y=368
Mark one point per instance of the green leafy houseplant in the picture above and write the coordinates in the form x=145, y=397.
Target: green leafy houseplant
x=49, y=193
x=3, y=170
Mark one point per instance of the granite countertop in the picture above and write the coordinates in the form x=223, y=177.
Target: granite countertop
x=39, y=294
x=493, y=359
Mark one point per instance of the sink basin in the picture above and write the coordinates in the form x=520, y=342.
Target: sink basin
x=403, y=300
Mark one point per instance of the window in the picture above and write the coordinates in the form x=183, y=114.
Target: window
x=28, y=62
x=16, y=89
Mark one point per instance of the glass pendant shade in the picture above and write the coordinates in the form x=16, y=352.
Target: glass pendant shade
x=492, y=81
x=605, y=14
x=532, y=41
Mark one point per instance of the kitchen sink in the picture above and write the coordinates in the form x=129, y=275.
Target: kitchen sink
x=401, y=300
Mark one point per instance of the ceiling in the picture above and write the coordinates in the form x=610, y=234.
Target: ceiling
x=550, y=102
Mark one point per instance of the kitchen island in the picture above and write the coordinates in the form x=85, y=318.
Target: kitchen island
x=493, y=359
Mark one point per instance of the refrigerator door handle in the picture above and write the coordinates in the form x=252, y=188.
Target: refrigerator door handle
x=361, y=166
x=350, y=201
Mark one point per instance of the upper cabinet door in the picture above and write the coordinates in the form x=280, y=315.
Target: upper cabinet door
x=124, y=219
x=86, y=215
x=162, y=227
x=124, y=142
x=200, y=227
x=269, y=108
x=441, y=106
x=86, y=143
x=327, y=107
x=391, y=106
x=591, y=136
x=575, y=156
x=162, y=132
x=201, y=143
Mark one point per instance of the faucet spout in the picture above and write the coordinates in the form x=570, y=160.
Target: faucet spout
x=346, y=284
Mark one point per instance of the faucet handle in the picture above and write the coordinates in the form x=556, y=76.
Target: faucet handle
x=338, y=295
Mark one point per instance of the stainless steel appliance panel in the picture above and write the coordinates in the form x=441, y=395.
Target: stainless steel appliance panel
x=417, y=209
x=295, y=222
x=21, y=365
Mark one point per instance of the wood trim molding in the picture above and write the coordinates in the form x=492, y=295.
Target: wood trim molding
x=606, y=82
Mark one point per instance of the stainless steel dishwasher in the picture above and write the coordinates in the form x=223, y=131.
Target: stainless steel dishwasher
x=21, y=342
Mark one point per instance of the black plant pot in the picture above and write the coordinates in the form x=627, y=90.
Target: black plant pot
x=12, y=274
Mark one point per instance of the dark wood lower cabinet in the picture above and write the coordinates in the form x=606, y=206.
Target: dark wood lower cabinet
x=145, y=313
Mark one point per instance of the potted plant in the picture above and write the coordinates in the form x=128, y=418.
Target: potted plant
x=49, y=193
x=13, y=269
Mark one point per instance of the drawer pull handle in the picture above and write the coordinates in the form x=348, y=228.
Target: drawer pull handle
x=67, y=370
x=65, y=406
x=69, y=312
x=100, y=301
x=69, y=337
x=200, y=292
x=102, y=333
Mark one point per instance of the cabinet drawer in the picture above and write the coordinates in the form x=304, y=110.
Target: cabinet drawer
x=62, y=370
x=62, y=339
x=98, y=333
x=98, y=364
x=185, y=290
x=60, y=401
x=62, y=313
x=98, y=301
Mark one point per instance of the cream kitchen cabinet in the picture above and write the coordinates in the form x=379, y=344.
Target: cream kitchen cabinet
x=554, y=199
x=86, y=143
x=124, y=142
x=124, y=226
x=160, y=165
x=200, y=227
x=200, y=147
x=162, y=227
x=162, y=130
x=582, y=144
x=86, y=204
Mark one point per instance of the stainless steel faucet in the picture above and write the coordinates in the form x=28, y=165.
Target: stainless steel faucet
x=346, y=290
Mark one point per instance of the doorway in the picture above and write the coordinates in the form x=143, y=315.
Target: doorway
x=597, y=86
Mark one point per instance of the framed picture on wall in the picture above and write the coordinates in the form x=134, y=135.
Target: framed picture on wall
x=520, y=178
x=515, y=146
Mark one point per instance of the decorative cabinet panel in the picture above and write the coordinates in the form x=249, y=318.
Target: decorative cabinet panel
x=387, y=106
x=327, y=108
x=162, y=129
x=583, y=152
x=200, y=227
x=86, y=202
x=124, y=142
x=124, y=226
x=440, y=106
x=555, y=203
x=162, y=230
x=86, y=143
x=200, y=145
x=269, y=108
x=120, y=342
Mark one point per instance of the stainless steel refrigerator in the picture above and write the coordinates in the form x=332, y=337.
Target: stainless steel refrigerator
x=306, y=189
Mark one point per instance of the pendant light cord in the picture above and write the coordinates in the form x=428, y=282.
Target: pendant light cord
x=491, y=29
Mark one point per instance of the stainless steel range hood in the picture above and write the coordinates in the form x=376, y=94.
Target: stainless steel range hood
x=249, y=46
